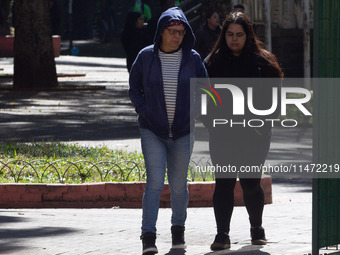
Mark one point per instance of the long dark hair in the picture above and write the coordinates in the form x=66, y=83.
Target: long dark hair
x=210, y=13
x=252, y=48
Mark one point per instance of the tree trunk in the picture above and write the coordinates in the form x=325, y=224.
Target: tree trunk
x=34, y=65
x=4, y=17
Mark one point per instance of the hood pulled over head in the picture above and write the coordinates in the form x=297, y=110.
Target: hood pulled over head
x=174, y=14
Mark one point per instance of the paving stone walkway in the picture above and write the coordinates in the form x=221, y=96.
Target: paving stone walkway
x=97, y=117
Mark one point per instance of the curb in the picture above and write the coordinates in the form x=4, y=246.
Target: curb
x=7, y=45
x=108, y=195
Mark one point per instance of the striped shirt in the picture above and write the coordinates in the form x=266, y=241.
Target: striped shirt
x=170, y=68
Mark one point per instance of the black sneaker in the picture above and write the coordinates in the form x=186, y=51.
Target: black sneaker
x=177, y=233
x=149, y=246
x=221, y=242
x=258, y=236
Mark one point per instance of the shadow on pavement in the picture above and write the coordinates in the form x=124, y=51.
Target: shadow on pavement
x=8, y=248
x=67, y=63
x=34, y=232
x=10, y=238
x=10, y=219
x=176, y=252
x=246, y=250
x=66, y=116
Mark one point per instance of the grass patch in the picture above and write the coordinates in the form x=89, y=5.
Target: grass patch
x=57, y=162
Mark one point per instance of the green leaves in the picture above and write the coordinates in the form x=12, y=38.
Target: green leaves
x=56, y=162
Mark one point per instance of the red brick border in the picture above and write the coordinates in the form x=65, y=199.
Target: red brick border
x=7, y=45
x=106, y=195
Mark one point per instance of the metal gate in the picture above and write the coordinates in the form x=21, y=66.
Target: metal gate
x=326, y=124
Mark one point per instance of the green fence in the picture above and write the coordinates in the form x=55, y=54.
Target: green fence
x=326, y=124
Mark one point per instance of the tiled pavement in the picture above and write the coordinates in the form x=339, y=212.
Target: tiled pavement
x=105, y=117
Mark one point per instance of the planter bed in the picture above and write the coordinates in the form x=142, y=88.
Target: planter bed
x=7, y=45
x=107, y=195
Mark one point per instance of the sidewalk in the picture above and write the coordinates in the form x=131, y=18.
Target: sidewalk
x=97, y=117
x=116, y=231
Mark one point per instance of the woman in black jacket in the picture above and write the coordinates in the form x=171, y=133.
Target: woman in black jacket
x=134, y=37
x=208, y=35
x=238, y=54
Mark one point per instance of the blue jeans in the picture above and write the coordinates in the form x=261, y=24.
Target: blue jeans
x=160, y=154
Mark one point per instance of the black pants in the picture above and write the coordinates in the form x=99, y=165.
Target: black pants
x=238, y=155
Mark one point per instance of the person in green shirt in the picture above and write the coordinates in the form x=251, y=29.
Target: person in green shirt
x=143, y=8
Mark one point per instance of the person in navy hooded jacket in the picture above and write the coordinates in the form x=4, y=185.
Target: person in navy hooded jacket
x=160, y=92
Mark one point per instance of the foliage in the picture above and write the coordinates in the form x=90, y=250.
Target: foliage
x=67, y=163
x=57, y=162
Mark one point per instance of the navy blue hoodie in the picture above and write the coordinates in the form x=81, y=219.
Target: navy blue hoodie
x=146, y=83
